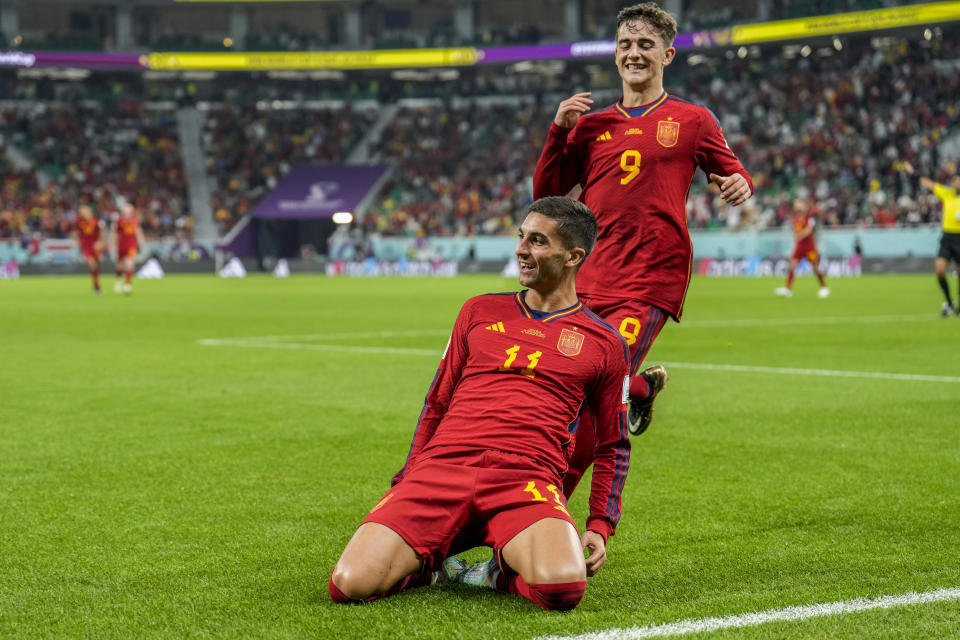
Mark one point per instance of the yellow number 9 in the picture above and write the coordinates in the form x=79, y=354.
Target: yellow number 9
x=630, y=162
x=630, y=329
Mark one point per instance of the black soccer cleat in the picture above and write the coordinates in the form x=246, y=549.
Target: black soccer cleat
x=641, y=412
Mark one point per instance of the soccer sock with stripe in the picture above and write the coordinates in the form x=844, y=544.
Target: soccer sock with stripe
x=946, y=289
x=790, y=279
x=560, y=596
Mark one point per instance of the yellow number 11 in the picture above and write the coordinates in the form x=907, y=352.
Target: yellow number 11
x=532, y=360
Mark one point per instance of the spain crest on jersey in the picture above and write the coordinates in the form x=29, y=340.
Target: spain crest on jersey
x=668, y=132
x=570, y=342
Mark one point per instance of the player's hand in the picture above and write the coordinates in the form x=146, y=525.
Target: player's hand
x=908, y=167
x=733, y=189
x=570, y=109
x=594, y=543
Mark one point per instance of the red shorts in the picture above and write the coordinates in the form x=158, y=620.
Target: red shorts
x=90, y=250
x=126, y=251
x=638, y=322
x=446, y=505
x=806, y=250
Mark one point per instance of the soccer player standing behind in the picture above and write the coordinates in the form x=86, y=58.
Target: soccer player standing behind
x=126, y=238
x=90, y=231
x=805, y=247
x=950, y=240
x=635, y=160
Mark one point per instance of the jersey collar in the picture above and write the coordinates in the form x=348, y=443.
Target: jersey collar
x=642, y=110
x=544, y=316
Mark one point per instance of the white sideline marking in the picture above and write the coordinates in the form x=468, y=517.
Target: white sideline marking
x=704, y=625
x=812, y=372
x=347, y=336
x=294, y=346
x=776, y=322
x=263, y=343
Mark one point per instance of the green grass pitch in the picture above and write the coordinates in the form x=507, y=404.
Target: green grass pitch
x=154, y=486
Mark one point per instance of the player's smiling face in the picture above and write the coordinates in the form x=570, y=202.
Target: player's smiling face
x=641, y=54
x=540, y=253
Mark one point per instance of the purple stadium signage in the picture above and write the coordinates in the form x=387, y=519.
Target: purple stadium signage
x=64, y=59
x=319, y=191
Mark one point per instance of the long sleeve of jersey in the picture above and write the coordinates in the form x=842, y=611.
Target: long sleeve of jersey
x=712, y=153
x=559, y=166
x=439, y=394
x=612, y=458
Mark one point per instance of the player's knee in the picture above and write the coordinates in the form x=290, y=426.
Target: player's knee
x=347, y=585
x=560, y=571
x=558, y=596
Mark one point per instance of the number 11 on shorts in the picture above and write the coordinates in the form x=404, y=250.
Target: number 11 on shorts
x=538, y=497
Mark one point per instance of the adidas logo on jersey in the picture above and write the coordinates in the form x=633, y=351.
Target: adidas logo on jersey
x=496, y=327
x=604, y=136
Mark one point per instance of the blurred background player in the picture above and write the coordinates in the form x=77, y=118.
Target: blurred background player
x=126, y=238
x=90, y=232
x=634, y=161
x=804, y=248
x=950, y=240
x=488, y=474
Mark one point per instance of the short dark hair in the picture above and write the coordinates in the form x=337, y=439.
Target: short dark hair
x=661, y=21
x=576, y=224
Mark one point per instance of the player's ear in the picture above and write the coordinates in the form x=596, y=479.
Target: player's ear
x=575, y=256
x=669, y=55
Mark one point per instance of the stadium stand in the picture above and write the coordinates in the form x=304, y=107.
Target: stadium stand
x=249, y=149
x=464, y=141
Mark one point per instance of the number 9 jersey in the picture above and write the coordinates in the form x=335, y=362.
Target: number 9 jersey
x=635, y=167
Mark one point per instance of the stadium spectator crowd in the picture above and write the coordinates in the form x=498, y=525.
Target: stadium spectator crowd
x=832, y=128
x=88, y=154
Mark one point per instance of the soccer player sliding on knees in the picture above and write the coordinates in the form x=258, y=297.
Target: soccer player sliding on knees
x=493, y=440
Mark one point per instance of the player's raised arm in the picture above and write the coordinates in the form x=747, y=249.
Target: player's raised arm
x=560, y=164
x=570, y=109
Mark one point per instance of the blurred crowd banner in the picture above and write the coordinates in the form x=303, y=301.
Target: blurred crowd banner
x=319, y=191
x=874, y=20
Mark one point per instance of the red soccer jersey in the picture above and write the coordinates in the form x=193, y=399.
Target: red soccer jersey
x=89, y=230
x=635, y=167
x=513, y=379
x=801, y=223
x=127, y=232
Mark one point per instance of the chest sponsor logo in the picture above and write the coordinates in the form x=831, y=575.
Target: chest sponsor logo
x=668, y=132
x=534, y=332
x=570, y=342
x=633, y=132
